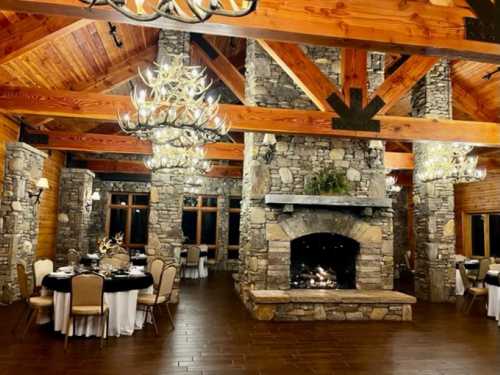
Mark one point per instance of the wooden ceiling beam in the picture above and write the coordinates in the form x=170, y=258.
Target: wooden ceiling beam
x=304, y=72
x=402, y=80
x=398, y=160
x=62, y=103
x=215, y=60
x=353, y=73
x=32, y=32
x=411, y=27
x=467, y=101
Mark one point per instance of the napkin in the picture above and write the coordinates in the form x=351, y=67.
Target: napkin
x=59, y=274
x=65, y=269
x=494, y=272
x=136, y=272
x=92, y=256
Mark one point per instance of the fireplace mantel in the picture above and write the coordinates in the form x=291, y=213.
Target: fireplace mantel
x=324, y=200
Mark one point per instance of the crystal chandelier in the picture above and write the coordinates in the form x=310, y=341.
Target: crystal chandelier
x=450, y=161
x=187, y=11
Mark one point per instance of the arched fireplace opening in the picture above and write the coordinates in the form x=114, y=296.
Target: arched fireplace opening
x=323, y=261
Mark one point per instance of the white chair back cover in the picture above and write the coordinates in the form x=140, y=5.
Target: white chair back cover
x=460, y=258
x=41, y=268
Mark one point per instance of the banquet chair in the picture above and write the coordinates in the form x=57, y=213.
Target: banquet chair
x=470, y=290
x=112, y=261
x=156, y=269
x=124, y=259
x=460, y=258
x=484, y=266
x=33, y=304
x=192, y=259
x=73, y=257
x=495, y=267
x=161, y=296
x=41, y=268
x=87, y=299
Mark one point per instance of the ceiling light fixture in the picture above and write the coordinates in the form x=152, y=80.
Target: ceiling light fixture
x=186, y=11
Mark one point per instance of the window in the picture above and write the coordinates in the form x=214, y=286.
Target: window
x=484, y=234
x=234, y=228
x=128, y=213
x=199, y=222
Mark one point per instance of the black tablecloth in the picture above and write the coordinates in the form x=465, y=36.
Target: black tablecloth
x=87, y=261
x=139, y=261
x=111, y=285
x=470, y=266
x=184, y=254
x=492, y=279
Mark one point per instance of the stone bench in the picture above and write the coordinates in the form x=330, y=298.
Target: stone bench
x=310, y=304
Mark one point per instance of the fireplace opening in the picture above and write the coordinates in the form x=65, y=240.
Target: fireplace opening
x=323, y=261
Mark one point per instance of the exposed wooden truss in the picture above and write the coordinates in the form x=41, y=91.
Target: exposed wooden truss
x=353, y=74
x=398, y=160
x=304, y=72
x=215, y=60
x=253, y=119
x=466, y=101
x=414, y=27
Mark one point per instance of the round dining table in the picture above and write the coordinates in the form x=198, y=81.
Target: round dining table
x=120, y=294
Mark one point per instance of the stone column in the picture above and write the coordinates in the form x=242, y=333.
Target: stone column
x=165, y=213
x=75, y=191
x=18, y=214
x=434, y=211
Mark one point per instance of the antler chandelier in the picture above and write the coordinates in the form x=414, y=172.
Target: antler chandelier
x=187, y=11
x=450, y=161
x=176, y=115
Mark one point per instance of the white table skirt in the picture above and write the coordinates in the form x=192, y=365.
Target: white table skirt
x=191, y=273
x=124, y=317
x=494, y=302
x=459, y=284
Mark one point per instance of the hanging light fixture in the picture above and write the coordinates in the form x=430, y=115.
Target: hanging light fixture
x=450, y=161
x=176, y=115
x=186, y=11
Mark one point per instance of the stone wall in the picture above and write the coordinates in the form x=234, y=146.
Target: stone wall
x=434, y=211
x=74, y=218
x=263, y=262
x=18, y=214
x=401, y=238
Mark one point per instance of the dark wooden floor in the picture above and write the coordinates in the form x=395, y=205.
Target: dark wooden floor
x=215, y=335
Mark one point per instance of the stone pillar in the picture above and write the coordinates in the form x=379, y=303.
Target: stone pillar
x=18, y=214
x=165, y=213
x=434, y=201
x=75, y=191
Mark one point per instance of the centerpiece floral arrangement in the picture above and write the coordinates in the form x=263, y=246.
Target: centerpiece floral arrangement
x=327, y=181
x=109, y=246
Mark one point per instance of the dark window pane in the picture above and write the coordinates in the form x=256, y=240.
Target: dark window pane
x=495, y=235
x=211, y=254
x=139, y=229
x=477, y=229
x=189, y=226
x=233, y=254
x=118, y=221
x=235, y=203
x=209, y=201
x=234, y=228
x=119, y=199
x=141, y=200
x=190, y=201
x=208, y=228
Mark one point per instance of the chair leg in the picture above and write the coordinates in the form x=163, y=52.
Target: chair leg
x=103, y=323
x=471, y=303
x=31, y=318
x=68, y=324
x=170, y=316
x=153, y=319
x=146, y=316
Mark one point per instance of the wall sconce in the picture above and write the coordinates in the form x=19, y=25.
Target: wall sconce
x=41, y=185
x=391, y=184
x=94, y=197
x=269, y=142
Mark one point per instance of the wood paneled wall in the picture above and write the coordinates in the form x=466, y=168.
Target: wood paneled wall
x=47, y=214
x=9, y=132
x=483, y=196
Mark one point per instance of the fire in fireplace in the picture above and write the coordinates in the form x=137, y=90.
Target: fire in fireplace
x=323, y=261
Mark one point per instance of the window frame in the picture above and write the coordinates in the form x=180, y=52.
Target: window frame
x=200, y=209
x=467, y=232
x=128, y=207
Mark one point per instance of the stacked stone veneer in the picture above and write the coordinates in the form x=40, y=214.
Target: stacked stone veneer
x=266, y=231
x=18, y=214
x=74, y=217
x=434, y=201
